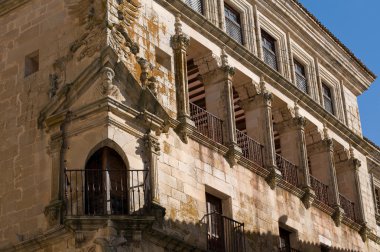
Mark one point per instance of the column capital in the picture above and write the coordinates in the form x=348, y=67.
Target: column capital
x=152, y=144
x=179, y=41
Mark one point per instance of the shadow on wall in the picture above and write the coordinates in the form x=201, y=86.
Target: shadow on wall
x=254, y=241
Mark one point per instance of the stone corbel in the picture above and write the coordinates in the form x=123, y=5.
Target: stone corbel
x=53, y=212
x=274, y=177
x=364, y=231
x=338, y=215
x=308, y=197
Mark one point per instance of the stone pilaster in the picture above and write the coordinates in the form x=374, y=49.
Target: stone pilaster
x=152, y=147
x=179, y=43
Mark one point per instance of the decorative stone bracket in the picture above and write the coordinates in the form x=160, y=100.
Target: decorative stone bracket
x=53, y=212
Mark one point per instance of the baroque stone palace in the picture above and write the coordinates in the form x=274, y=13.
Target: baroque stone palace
x=168, y=125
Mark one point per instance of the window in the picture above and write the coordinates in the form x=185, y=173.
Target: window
x=284, y=240
x=163, y=59
x=300, y=74
x=269, y=50
x=215, y=223
x=377, y=199
x=31, y=63
x=327, y=98
x=233, y=25
x=196, y=5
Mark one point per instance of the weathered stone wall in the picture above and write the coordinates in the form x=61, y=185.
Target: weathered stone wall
x=49, y=27
x=352, y=111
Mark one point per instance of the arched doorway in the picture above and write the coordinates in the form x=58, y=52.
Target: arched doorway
x=106, y=184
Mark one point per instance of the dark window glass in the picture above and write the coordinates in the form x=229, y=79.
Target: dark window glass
x=377, y=198
x=233, y=25
x=196, y=5
x=269, y=50
x=301, y=80
x=327, y=98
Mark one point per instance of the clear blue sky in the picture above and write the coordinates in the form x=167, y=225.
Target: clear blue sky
x=356, y=23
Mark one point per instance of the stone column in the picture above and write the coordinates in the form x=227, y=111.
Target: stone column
x=152, y=147
x=258, y=112
x=179, y=43
x=217, y=77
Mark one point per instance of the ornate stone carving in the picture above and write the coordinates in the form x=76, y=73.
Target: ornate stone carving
x=338, y=215
x=274, y=177
x=364, y=232
x=179, y=41
x=53, y=212
x=107, y=86
x=147, y=81
x=308, y=197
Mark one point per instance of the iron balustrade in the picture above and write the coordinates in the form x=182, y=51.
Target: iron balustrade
x=224, y=234
x=288, y=170
x=206, y=123
x=321, y=190
x=251, y=149
x=106, y=192
x=348, y=207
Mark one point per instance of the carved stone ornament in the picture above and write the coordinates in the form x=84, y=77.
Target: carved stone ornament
x=152, y=144
x=364, y=232
x=308, y=197
x=53, y=212
x=233, y=154
x=338, y=215
x=111, y=241
x=300, y=121
x=107, y=86
x=179, y=41
x=274, y=177
x=53, y=80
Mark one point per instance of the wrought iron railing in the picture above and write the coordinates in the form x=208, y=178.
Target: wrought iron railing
x=206, y=123
x=223, y=233
x=270, y=58
x=348, y=207
x=106, y=192
x=251, y=149
x=288, y=170
x=321, y=190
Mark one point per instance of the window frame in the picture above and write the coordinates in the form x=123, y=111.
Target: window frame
x=228, y=8
x=325, y=86
x=273, y=51
x=202, y=6
x=304, y=75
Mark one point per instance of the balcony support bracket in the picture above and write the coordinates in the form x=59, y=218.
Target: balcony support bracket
x=53, y=212
x=338, y=215
x=308, y=197
x=274, y=177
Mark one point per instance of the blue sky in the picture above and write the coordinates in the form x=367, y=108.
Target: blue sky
x=356, y=23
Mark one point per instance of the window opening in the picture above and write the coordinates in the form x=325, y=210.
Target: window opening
x=301, y=80
x=196, y=5
x=269, y=50
x=233, y=24
x=327, y=98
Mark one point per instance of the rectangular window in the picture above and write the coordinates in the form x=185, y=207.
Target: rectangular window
x=327, y=98
x=215, y=223
x=284, y=240
x=377, y=198
x=196, y=5
x=269, y=50
x=31, y=63
x=301, y=80
x=233, y=25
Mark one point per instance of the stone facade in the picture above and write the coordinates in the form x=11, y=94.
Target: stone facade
x=158, y=88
